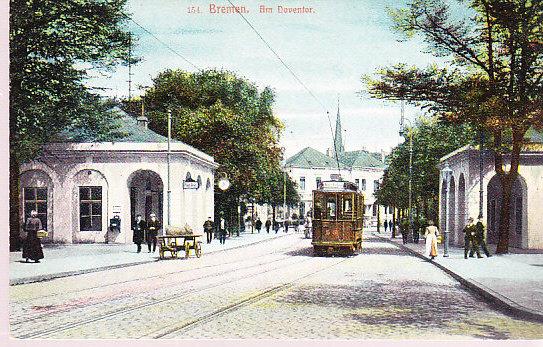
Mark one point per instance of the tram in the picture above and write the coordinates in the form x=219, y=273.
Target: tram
x=338, y=213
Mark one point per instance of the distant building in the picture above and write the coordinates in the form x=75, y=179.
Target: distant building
x=309, y=167
x=526, y=228
x=77, y=187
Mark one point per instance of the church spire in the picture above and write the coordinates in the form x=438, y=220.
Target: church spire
x=339, y=148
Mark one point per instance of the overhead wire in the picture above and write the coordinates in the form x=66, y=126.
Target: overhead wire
x=294, y=75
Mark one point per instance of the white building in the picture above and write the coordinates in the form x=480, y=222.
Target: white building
x=309, y=167
x=77, y=187
x=526, y=228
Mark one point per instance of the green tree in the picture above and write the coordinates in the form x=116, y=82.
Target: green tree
x=227, y=117
x=432, y=139
x=494, y=82
x=50, y=42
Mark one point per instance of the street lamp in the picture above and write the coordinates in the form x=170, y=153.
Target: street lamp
x=447, y=173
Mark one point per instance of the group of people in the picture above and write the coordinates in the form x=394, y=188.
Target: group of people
x=146, y=231
x=209, y=229
x=474, y=238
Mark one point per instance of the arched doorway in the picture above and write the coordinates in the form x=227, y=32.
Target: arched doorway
x=518, y=221
x=36, y=193
x=146, y=194
x=461, y=208
x=451, y=206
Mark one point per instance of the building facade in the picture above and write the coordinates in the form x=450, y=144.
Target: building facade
x=309, y=167
x=78, y=187
x=460, y=196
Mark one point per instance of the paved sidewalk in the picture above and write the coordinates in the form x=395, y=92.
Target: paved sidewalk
x=73, y=259
x=513, y=281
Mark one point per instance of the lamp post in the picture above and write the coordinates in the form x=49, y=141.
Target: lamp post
x=169, y=192
x=446, y=172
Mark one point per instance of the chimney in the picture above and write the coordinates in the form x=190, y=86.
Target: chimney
x=142, y=121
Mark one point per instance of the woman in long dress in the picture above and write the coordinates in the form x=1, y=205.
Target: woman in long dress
x=31, y=244
x=431, y=240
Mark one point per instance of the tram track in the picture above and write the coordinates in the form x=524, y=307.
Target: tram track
x=107, y=300
x=266, y=293
x=158, y=276
x=125, y=310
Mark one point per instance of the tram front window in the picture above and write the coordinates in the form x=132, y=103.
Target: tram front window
x=331, y=208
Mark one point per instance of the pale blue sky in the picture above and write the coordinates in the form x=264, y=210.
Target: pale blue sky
x=328, y=50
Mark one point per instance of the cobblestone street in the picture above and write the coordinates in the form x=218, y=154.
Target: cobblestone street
x=274, y=289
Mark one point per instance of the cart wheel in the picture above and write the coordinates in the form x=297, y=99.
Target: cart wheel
x=161, y=254
x=198, y=249
x=187, y=249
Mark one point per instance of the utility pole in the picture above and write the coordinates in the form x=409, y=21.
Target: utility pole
x=168, y=156
x=284, y=196
x=129, y=68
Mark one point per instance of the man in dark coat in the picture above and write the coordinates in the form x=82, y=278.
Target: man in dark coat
x=268, y=225
x=208, y=229
x=138, y=227
x=480, y=237
x=153, y=226
x=31, y=244
x=258, y=225
x=470, y=240
x=222, y=230
x=404, y=229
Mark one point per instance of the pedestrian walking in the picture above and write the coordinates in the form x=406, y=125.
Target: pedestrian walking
x=276, y=226
x=138, y=229
x=308, y=227
x=153, y=226
x=480, y=238
x=286, y=224
x=385, y=224
x=258, y=225
x=470, y=240
x=404, y=229
x=268, y=225
x=431, y=234
x=208, y=229
x=31, y=243
x=222, y=231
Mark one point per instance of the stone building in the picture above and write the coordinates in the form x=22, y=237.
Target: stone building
x=77, y=187
x=526, y=228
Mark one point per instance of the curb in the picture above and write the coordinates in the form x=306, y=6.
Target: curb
x=492, y=297
x=49, y=277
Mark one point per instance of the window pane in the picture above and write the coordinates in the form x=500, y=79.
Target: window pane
x=84, y=193
x=331, y=208
x=42, y=193
x=30, y=193
x=85, y=223
x=96, y=223
x=42, y=207
x=84, y=209
x=96, y=193
x=29, y=206
x=43, y=219
x=96, y=209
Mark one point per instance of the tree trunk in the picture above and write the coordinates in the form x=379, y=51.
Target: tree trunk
x=14, y=218
x=393, y=221
x=507, y=180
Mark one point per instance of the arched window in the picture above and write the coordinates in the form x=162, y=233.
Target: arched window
x=188, y=177
x=208, y=184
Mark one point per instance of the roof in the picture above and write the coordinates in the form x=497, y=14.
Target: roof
x=311, y=158
x=126, y=129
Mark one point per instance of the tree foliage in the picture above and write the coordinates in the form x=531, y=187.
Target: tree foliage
x=432, y=140
x=494, y=50
x=50, y=43
x=229, y=118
